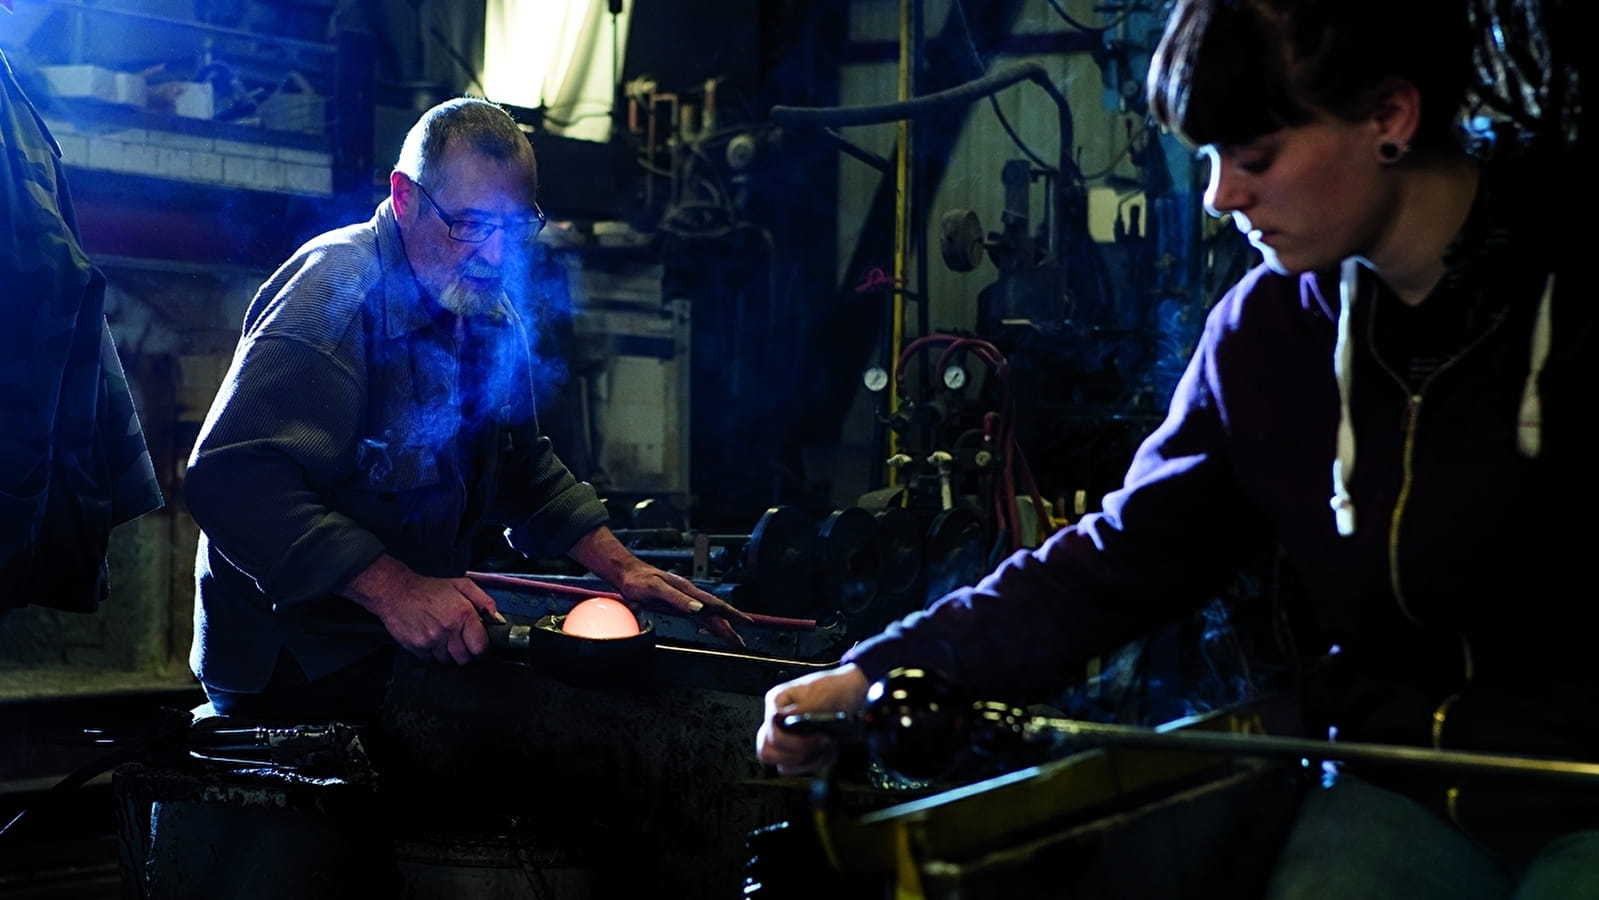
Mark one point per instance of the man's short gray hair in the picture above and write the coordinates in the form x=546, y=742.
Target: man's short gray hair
x=486, y=127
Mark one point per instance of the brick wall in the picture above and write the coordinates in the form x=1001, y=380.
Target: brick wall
x=196, y=158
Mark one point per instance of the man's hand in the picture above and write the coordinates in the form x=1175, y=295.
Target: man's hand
x=648, y=586
x=842, y=689
x=643, y=584
x=439, y=618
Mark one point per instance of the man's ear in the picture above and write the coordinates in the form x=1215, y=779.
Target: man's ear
x=402, y=193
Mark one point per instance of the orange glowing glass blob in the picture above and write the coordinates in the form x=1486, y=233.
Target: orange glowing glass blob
x=600, y=617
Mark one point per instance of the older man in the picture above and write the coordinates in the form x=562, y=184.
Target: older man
x=378, y=413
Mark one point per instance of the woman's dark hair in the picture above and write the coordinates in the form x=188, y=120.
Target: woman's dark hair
x=1229, y=71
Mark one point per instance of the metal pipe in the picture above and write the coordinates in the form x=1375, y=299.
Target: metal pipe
x=1097, y=734
x=976, y=89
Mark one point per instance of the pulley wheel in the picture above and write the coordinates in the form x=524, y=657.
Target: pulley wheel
x=850, y=561
x=960, y=240
x=902, y=536
x=957, y=552
x=779, y=560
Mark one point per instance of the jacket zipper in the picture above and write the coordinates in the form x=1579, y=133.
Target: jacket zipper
x=1407, y=471
x=1440, y=713
x=1407, y=465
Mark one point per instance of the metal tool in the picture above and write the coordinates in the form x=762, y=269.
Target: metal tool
x=919, y=725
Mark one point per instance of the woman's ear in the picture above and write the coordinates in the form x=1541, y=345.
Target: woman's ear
x=1396, y=118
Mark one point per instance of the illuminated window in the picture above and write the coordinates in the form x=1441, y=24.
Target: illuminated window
x=562, y=56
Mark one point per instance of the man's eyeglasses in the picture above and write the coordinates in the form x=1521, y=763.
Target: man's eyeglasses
x=474, y=232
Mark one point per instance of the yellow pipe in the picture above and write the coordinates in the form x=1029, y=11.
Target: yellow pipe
x=902, y=179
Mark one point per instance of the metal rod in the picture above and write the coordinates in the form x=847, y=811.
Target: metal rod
x=734, y=656
x=551, y=586
x=675, y=554
x=1128, y=736
x=573, y=591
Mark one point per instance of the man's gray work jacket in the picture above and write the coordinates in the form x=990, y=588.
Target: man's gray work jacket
x=359, y=419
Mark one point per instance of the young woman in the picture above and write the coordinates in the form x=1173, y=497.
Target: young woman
x=1397, y=399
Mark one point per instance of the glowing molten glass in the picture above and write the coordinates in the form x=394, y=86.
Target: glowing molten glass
x=600, y=617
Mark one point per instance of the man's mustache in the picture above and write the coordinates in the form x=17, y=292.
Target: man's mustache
x=481, y=270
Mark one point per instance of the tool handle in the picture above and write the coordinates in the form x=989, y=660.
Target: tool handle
x=506, y=636
x=835, y=724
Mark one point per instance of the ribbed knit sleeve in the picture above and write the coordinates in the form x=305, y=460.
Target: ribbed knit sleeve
x=284, y=427
x=565, y=509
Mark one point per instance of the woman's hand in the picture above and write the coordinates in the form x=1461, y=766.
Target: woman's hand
x=842, y=689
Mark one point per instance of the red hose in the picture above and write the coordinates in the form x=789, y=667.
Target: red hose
x=556, y=587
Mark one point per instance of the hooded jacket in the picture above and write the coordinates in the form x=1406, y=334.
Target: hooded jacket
x=1457, y=614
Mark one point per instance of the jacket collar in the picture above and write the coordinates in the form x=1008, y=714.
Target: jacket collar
x=404, y=308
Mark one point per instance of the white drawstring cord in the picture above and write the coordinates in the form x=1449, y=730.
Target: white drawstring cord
x=1343, y=356
x=1529, y=420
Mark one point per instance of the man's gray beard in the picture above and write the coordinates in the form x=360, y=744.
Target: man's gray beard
x=463, y=301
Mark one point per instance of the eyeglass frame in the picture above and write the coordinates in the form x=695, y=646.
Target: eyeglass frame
x=534, y=228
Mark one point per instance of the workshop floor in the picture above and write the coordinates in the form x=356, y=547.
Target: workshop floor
x=66, y=845
x=69, y=853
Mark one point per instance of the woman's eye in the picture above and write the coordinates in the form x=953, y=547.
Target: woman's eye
x=1255, y=166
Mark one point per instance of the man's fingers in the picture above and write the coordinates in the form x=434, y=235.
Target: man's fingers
x=722, y=629
x=441, y=651
x=476, y=638
x=481, y=599
x=711, y=603
x=722, y=609
x=457, y=647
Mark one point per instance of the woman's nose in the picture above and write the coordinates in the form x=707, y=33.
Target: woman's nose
x=1223, y=194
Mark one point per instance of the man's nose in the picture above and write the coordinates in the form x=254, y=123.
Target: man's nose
x=492, y=249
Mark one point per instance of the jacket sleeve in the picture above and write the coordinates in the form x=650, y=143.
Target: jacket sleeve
x=1171, y=536
x=545, y=506
x=73, y=457
x=564, y=509
x=282, y=430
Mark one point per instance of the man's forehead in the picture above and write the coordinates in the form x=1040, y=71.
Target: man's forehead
x=460, y=150
x=489, y=188
x=459, y=157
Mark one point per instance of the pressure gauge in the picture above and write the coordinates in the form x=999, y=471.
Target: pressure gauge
x=875, y=379
x=954, y=378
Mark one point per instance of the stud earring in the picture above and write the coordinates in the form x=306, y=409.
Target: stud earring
x=1391, y=151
